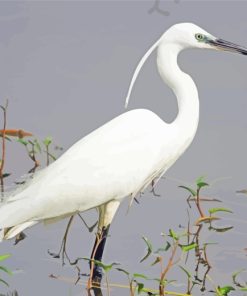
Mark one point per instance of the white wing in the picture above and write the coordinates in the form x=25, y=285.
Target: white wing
x=114, y=161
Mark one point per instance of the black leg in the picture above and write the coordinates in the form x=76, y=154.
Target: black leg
x=106, y=213
x=97, y=253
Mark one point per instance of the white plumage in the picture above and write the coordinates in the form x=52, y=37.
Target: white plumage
x=105, y=165
x=122, y=157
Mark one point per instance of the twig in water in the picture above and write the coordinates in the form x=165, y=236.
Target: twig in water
x=4, y=108
x=63, y=245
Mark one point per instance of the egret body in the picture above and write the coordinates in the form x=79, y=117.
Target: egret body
x=122, y=157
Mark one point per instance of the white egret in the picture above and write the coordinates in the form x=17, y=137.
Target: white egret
x=122, y=157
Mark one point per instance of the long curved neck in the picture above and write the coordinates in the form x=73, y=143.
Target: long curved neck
x=183, y=87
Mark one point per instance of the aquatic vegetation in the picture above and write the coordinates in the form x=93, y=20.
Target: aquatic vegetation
x=4, y=269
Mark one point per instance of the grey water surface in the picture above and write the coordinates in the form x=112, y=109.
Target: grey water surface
x=65, y=67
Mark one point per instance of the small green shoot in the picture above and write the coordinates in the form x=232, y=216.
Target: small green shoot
x=4, y=269
x=173, y=234
x=216, y=210
x=224, y=291
x=149, y=249
x=47, y=141
x=191, y=191
x=201, y=183
x=186, y=248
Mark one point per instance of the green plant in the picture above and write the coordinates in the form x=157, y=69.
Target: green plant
x=4, y=269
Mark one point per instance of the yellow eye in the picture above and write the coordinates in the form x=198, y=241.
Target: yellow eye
x=199, y=37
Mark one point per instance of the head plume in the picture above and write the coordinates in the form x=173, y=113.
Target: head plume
x=138, y=68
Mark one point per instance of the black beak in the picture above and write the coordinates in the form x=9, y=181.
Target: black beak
x=227, y=46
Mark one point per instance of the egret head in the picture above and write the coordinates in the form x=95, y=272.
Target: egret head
x=182, y=36
x=188, y=35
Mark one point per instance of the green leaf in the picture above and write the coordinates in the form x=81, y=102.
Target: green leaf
x=5, y=175
x=166, y=248
x=215, y=210
x=186, y=271
x=2, y=281
x=105, y=267
x=6, y=138
x=47, y=141
x=149, y=291
x=164, y=281
x=149, y=250
x=200, y=179
x=191, y=191
x=222, y=229
x=37, y=145
x=225, y=290
x=108, y=267
x=186, y=248
x=123, y=270
x=157, y=260
x=23, y=142
x=173, y=234
x=3, y=257
x=140, y=287
x=157, y=280
x=139, y=275
x=52, y=157
x=208, y=244
x=201, y=184
x=243, y=289
x=172, y=282
x=5, y=270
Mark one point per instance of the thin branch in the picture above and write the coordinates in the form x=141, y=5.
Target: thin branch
x=169, y=265
x=3, y=146
x=63, y=245
x=198, y=203
x=32, y=156
x=90, y=228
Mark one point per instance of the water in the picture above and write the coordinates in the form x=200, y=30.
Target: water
x=65, y=67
